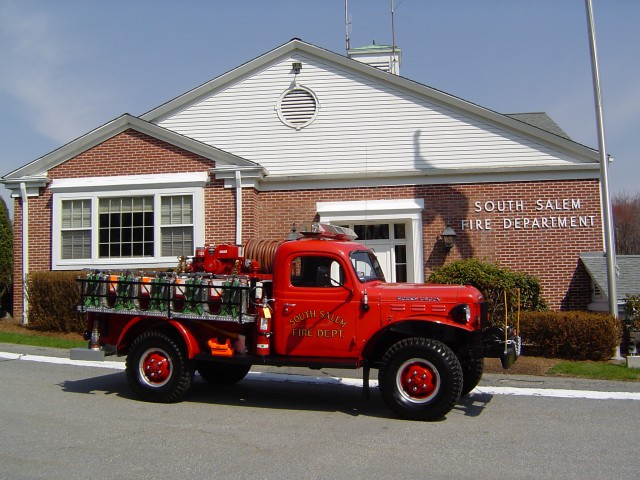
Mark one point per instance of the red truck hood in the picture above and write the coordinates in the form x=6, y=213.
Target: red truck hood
x=425, y=293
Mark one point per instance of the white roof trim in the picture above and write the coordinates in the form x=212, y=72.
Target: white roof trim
x=33, y=185
x=113, y=128
x=93, y=184
x=371, y=208
x=250, y=176
x=449, y=176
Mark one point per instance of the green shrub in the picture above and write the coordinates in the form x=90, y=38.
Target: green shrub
x=493, y=281
x=53, y=297
x=6, y=259
x=574, y=335
x=632, y=311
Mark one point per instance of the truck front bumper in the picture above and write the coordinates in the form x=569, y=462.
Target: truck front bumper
x=497, y=344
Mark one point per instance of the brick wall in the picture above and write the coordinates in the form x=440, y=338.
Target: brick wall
x=530, y=244
x=129, y=153
x=551, y=253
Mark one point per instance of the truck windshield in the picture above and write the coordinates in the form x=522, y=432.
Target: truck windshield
x=366, y=266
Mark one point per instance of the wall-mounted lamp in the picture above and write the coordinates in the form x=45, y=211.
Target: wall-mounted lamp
x=296, y=66
x=448, y=236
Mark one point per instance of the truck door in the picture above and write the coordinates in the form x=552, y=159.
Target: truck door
x=316, y=313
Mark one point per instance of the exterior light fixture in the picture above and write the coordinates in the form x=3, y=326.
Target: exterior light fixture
x=296, y=67
x=448, y=236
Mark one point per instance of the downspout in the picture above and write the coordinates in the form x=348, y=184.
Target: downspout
x=238, y=208
x=25, y=251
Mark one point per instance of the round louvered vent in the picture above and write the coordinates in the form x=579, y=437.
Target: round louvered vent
x=297, y=107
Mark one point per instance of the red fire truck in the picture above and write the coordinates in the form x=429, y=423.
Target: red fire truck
x=321, y=302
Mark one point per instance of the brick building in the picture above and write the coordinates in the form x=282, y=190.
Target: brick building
x=302, y=134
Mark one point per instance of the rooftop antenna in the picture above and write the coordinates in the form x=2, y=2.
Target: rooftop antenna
x=347, y=23
x=393, y=40
x=393, y=32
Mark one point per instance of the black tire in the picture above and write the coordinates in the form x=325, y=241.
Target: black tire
x=157, y=368
x=472, y=370
x=421, y=379
x=223, y=374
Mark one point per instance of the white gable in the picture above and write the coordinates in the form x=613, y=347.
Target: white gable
x=364, y=127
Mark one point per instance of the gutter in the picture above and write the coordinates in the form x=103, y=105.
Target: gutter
x=238, y=207
x=25, y=251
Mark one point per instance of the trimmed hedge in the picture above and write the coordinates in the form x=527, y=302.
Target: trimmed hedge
x=53, y=297
x=573, y=335
x=493, y=281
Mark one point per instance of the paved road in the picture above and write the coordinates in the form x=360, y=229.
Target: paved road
x=64, y=421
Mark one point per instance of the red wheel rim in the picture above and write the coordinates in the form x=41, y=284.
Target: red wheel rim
x=155, y=367
x=418, y=380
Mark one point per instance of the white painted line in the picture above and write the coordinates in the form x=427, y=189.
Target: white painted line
x=351, y=382
x=530, y=392
x=61, y=361
x=558, y=393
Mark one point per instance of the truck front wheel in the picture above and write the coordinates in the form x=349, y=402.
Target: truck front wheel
x=472, y=370
x=420, y=379
x=157, y=369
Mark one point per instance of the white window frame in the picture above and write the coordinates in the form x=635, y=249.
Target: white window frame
x=63, y=230
x=68, y=189
x=407, y=211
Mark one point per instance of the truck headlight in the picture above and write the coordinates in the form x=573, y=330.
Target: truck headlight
x=461, y=313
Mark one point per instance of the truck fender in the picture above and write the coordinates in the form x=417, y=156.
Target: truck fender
x=189, y=340
x=377, y=345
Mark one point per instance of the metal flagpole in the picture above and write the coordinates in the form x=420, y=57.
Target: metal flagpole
x=604, y=171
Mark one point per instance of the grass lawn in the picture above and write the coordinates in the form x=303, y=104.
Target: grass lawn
x=597, y=370
x=40, y=340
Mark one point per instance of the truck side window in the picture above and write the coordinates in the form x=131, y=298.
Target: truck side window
x=316, y=272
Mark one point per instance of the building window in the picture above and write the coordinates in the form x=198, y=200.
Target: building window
x=127, y=231
x=125, y=227
x=176, y=222
x=400, y=258
x=127, y=222
x=75, y=229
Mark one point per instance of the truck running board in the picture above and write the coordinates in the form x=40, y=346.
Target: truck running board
x=282, y=361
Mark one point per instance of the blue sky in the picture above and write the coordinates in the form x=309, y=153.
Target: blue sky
x=69, y=66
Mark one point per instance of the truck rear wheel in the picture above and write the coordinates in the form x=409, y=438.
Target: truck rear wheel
x=157, y=369
x=223, y=374
x=421, y=379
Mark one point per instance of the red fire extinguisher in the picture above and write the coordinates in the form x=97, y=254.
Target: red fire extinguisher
x=263, y=332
